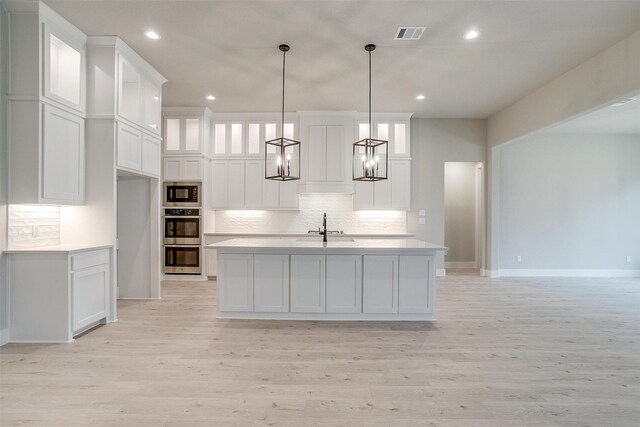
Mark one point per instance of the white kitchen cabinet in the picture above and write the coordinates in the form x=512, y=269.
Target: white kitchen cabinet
x=182, y=169
x=57, y=295
x=380, y=284
x=326, y=153
x=400, y=184
x=344, y=284
x=240, y=184
x=236, y=184
x=183, y=135
x=235, y=282
x=415, y=295
x=254, y=175
x=47, y=57
x=227, y=139
x=129, y=147
x=47, y=160
x=90, y=295
x=393, y=193
x=271, y=283
x=308, y=283
x=150, y=155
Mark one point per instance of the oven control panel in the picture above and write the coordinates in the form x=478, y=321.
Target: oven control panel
x=181, y=212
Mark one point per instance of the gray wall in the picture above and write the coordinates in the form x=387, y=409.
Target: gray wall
x=434, y=142
x=570, y=202
x=3, y=168
x=460, y=212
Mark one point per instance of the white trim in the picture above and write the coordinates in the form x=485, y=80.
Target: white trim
x=568, y=273
x=182, y=278
x=461, y=264
x=441, y=272
x=417, y=317
x=42, y=341
x=4, y=336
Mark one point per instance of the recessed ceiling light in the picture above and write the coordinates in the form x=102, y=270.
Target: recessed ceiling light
x=472, y=34
x=211, y=97
x=152, y=35
x=420, y=97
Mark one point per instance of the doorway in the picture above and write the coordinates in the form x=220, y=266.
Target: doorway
x=463, y=224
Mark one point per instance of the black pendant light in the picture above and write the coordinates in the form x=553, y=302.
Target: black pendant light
x=282, y=155
x=370, y=156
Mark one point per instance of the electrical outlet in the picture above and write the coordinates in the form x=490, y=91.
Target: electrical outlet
x=628, y=258
x=35, y=231
x=422, y=212
x=519, y=258
x=422, y=221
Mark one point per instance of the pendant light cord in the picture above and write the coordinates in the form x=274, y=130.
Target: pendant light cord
x=284, y=53
x=370, y=123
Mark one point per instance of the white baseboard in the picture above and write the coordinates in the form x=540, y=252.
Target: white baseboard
x=441, y=272
x=184, y=278
x=461, y=264
x=567, y=273
x=4, y=336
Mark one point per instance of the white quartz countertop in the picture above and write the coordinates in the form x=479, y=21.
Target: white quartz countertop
x=367, y=245
x=289, y=235
x=58, y=248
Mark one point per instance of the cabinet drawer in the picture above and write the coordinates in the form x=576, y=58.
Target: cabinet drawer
x=89, y=259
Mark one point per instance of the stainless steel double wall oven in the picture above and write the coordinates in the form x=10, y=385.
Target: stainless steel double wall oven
x=182, y=220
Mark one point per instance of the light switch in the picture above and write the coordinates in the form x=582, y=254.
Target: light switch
x=422, y=212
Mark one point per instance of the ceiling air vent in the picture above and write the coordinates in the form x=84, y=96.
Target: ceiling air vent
x=409, y=33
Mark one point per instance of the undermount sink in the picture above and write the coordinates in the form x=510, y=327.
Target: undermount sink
x=334, y=239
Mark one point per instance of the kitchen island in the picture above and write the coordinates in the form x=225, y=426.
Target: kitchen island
x=368, y=279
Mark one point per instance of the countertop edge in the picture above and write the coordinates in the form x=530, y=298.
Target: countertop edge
x=60, y=249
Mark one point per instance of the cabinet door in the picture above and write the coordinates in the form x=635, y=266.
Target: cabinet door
x=172, y=134
x=335, y=152
x=211, y=262
x=150, y=155
x=151, y=103
x=64, y=68
x=63, y=156
x=219, y=184
x=191, y=169
x=271, y=283
x=254, y=178
x=129, y=147
x=235, y=184
x=171, y=168
x=129, y=91
x=308, y=283
x=270, y=193
x=380, y=284
x=317, y=153
x=381, y=194
x=288, y=195
x=235, y=282
x=400, y=180
x=416, y=284
x=90, y=288
x=363, y=196
x=344, y=284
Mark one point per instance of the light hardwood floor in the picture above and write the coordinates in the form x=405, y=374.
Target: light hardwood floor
x=543, y=352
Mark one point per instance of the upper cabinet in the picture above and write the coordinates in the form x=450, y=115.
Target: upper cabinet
x=186, y=130
x=326, y=139
x=47, y=105
x=245, y=138
x=123, y=87
x=116, y=69
x=47, y=57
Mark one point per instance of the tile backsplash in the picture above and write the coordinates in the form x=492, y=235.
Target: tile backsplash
x=32, y=226
x=340, y=216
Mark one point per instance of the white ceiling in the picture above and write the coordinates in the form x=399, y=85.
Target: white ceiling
x=229, y=49
x=623, y=119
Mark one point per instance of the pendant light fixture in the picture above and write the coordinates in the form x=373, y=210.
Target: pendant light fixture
x=370, y=159
x=282, y=155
